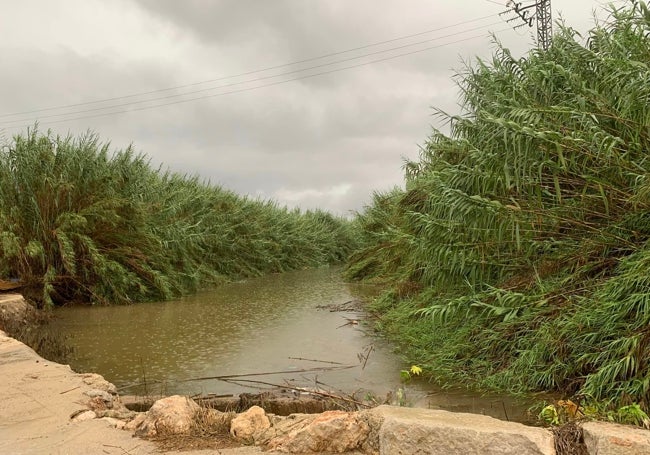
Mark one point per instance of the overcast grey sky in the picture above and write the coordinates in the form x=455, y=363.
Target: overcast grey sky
x=325, y=141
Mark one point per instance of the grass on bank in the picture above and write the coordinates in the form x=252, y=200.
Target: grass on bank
x=81, y=223
x=517, y=257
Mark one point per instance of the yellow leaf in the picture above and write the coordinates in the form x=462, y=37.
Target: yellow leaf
x=416, y=370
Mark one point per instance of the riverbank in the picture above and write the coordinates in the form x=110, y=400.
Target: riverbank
x=42, y=402
x=38, y=398
x=42, y=405
x=47, y=408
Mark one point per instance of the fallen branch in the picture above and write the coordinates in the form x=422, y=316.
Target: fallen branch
x=315, y=360
x=225, y=377
x=300, y=389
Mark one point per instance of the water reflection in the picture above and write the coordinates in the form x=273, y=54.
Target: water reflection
x=261, y=325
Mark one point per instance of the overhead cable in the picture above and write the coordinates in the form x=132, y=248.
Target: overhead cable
x=335, y=70
x=247, y=73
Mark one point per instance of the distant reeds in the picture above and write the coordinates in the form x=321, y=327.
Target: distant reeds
x=81, y=223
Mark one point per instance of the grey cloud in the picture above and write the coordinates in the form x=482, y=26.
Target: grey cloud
x=326, y=141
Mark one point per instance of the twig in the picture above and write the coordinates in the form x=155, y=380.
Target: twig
x=69, y=390
x=319, y=383
x=121, y=448
x=315, y=360
x=504, y=410
x=364, y=355
x=341, y=307
x=330, y=306
x=302, y=389
x=372, y=347
x=144, y=377
x=240, y=383
x=350, y=322
x=231, y=376
x=209, y=396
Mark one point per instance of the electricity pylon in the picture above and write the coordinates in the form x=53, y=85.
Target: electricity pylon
x=542, y=15
x=544, y=24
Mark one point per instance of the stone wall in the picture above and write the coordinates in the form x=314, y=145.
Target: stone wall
x=390, y=430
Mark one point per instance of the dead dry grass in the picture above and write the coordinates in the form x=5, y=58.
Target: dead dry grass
x=569, y=440
x=210, y=430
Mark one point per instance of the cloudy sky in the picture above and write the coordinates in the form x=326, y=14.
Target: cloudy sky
x=212, y=87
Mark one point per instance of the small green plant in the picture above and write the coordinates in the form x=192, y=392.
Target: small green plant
x=401, y=397
x=633, y=415
x=566, y=411
x=407, y=375
x=549, y=415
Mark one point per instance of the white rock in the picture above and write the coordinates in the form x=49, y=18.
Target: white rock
x=97, y=381
x=135, y=422
x=83, y=416
x=249, y=424
x=330, y=431
x=171, y=415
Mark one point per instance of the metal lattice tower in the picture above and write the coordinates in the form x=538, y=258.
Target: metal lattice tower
x=544, y=24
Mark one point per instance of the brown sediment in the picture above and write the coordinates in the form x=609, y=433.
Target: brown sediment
x=10, y=285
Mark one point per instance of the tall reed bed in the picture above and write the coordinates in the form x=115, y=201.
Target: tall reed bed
x=81, y=223
x=517, y=256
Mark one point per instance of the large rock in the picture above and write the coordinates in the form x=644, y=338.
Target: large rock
x=330, y=431
x=171, y=415
x=14, y=308
x=603, y=438
x=425, y=431
x=248, y=425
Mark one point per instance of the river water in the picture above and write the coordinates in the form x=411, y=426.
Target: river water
x=280, y=325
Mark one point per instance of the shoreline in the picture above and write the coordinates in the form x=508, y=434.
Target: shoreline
x=41, y=403
x=48, y=408
x=38, y=399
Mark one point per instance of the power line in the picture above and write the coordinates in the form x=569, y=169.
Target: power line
x=286, y=73
x=335, y=70
x=247, y=73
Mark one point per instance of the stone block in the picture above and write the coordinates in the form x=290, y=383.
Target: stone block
x=434, y=432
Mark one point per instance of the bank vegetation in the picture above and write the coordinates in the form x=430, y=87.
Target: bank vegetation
x=79, y=222
x=517, y=257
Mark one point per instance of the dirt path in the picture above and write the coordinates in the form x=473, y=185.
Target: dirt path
x=38, y=397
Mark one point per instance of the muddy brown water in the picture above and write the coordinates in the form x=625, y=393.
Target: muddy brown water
x=270, y=324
